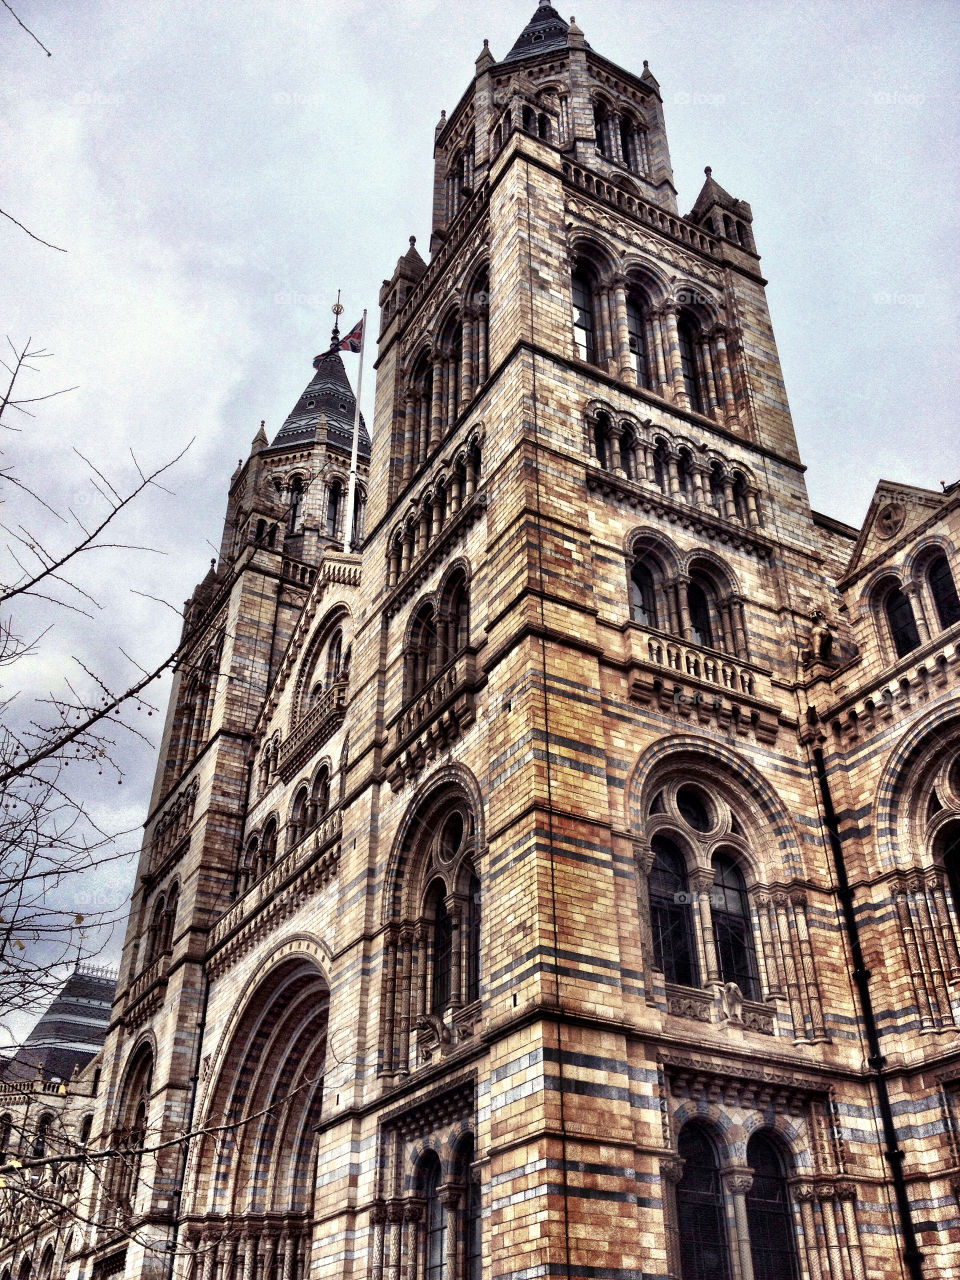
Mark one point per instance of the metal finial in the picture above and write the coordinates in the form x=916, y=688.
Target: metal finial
x=708, y=171
x=337, y=310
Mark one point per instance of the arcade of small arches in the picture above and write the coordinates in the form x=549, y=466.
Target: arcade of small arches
x=443, y=377
x=450, y=490
x=668, y=341
x=544, y=115
x=439, y=630
x=912, y=606
x=693, y=596
x=621, y=136
x=195, y=710
x=739, y=1208
x=701, y=477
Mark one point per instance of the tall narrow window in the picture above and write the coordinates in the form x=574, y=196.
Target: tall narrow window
x=320, y=795
x=334, y=657
x=773, y=1245
x=703, y=1237
x=473, y=941
x=736, y=957
x=638, y=341
x=584, y=327
x=687, y=335
x=435, y=1234
x=903, y=625
x=670, y=914
x=334, y=498
x=944, y=591
x=422, y=654
x=470, y=1202
x=6, y=1131
x=601, y=128
x=699, y=605
x=296, y=504
x=643, y=594
x=442, y=952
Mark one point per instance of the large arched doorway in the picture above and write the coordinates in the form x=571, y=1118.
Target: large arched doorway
x=256, y=1168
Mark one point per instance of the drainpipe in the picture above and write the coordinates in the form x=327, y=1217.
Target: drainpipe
x=876, y=1061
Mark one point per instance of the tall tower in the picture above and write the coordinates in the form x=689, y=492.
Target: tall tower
x=517, y=888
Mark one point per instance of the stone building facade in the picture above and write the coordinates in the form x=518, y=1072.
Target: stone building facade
x=564, y=881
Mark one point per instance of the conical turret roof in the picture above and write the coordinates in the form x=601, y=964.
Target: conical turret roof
x=545, y=31
x=326, y=409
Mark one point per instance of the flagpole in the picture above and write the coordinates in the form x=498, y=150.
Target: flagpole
x=352, y=488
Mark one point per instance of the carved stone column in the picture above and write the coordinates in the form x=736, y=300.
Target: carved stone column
x=780, y=903
x=846, y=1194
x=701, y=882
x=726, y=377
x=671, y=1171
x=798, y=900
x=378, y=1218
x=937, y=983
x=804, y=1194
x=682, y=582
x=395, y=1224
x=455, y=910
x=737, y=1183
x=402, y=1060
x=435, y=429
x=389, y=1000
x=482, y=347
x=420, y=935
x=825, y=1194
x=449, y=1197
x=409, y=430
x=210, y=1250
x=913, y=593
x=770, y=958
x=913, y=954
x=658, y=346
x=626, y=369
x=412, y=1217
x=467, y=361
x=941, y=913
x=674, y=364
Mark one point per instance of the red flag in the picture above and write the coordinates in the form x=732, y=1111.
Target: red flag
x=353, y=339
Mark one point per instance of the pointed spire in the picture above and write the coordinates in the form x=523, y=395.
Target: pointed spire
x=575, y=38
x=486, y=59
x=544, y=33
x=647, y=75
x=441, y=123
x=260, y=440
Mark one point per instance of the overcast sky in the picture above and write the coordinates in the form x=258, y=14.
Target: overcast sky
x=216, y=172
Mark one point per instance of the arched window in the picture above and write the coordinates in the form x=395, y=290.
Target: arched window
x=944, y=591
x=717, y=496
x=320, y=796
x=41, y=1137
x=700, y=1217
x=543, y=126
x=902, y=623
x=699, y=603
x=471, y=1210
x=688, y=336
x=295, y=504
x=334, y=657
x=435, y=1219
x=455, y=621
x=46, y=1264
x=334, y=503
x=661, y=457
x=421, y=664
x=529, y=118
x=637, y=328
x=86, y=1124
x=732, y=928
x=601, y=124
x=671, y=906
x=268, y=846
x=584, y=317
x=472, y=983
x=773, y=1246
x=169, y=919
x=298, y=818
x=602, y=441
x=643, y=595
x=155, y=940
x=6, y=1133
x=685, y=473
x=442, y=949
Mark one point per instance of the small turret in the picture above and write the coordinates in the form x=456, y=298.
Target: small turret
x=724, y=215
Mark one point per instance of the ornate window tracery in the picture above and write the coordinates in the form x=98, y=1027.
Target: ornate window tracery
x=433, y=965
x=712, y=925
